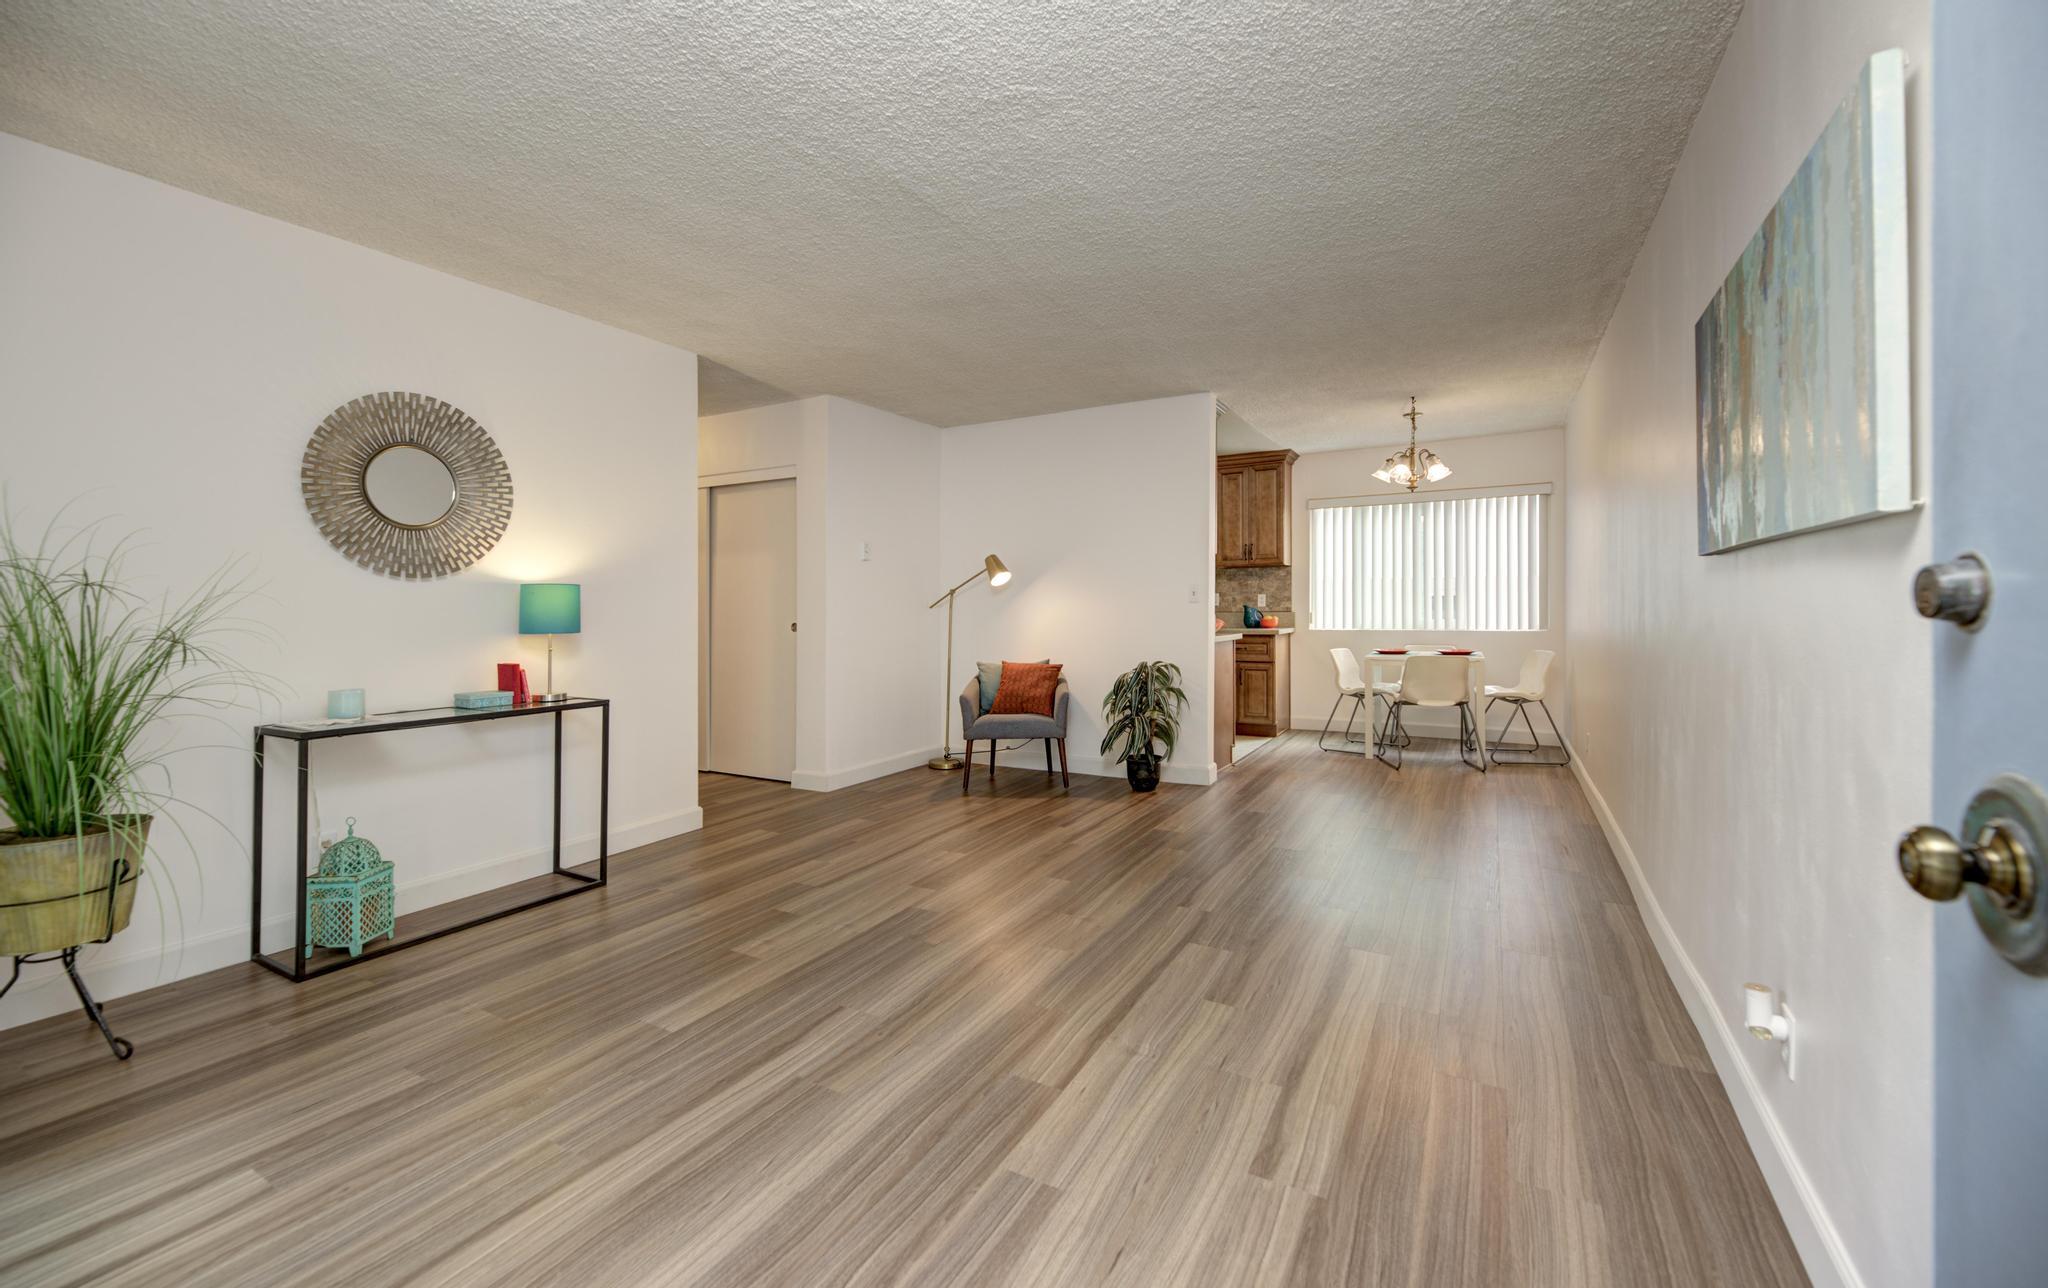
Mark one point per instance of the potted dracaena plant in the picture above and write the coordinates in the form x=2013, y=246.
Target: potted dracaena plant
x=1142, y=711
x=87, y=667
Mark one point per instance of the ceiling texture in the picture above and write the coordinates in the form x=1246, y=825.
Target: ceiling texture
x=957, y=212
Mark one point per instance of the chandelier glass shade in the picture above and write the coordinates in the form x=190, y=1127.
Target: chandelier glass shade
x=1415, y=466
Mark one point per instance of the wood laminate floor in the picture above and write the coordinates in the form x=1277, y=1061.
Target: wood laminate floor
x=1322, y=1024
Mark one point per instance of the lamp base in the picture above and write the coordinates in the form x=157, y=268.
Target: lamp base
x=948, y=761
x=549, y=697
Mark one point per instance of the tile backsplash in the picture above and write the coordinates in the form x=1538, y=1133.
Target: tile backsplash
x=1236, y=587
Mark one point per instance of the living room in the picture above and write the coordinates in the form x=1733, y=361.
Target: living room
x=634, y=645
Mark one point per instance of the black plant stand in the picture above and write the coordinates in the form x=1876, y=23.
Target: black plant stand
x=121, y=1047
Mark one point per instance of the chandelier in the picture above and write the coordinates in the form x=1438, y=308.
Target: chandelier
x=1416, y=466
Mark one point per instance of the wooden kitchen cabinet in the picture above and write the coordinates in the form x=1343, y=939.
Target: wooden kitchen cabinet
x=1225, y=733
x=1264, y=704
x=1254, y=496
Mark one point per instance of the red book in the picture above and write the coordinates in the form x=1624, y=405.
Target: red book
x=512, y=677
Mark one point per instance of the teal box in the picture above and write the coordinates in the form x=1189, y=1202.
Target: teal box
x=483, y=699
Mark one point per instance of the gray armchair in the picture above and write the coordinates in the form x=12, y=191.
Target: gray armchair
x=975, y=724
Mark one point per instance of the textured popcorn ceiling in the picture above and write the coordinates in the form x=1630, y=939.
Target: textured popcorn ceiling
x=954, y=211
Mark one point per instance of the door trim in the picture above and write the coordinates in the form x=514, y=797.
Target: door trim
x=766, y=474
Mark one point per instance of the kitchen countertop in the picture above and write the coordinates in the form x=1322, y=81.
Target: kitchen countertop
x=1257, y=630
x=1225, y=637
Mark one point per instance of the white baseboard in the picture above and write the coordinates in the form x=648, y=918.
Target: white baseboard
x=1820, y=1245
x=831, y=780
x=110, y=973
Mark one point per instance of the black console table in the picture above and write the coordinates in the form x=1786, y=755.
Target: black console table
x=305, y=735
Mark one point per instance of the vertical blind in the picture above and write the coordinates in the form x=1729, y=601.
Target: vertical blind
x=1441, y=563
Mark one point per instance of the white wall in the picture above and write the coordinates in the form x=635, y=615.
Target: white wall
x=867, y=651
x=883, y=665
x=1491, y=460
x=1757, y=723
x=1104, y=517
x=165, y=358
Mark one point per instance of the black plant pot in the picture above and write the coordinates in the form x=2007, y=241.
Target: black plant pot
x=1143, y=771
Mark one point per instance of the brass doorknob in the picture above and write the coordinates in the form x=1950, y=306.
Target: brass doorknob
x=2000, y=870
x=1938, y=866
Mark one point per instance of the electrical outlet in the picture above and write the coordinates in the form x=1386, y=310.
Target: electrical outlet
x=864, y=552
x=1262, y=601
x=1194, y=594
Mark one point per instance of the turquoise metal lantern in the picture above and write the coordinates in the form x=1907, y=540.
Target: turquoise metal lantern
x=551, y=608
x=351, y=899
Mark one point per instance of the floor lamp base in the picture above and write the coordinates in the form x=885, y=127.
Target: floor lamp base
x=947, y=761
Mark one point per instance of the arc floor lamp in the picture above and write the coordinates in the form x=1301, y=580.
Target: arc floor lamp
x=993, y=569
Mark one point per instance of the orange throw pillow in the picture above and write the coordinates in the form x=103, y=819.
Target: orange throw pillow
x=1026, y=689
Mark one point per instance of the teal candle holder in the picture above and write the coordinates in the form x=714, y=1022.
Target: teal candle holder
x=344, y=704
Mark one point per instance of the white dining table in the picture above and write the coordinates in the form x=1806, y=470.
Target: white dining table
x=1389, y=666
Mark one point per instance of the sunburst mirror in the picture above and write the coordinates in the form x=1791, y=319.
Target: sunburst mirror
x=406, y=485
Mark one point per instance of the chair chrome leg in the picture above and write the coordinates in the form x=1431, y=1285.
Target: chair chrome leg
x=1407, y=739
x=1392, y=737
x=1552, y=721
x=1332, y=719
x=1530, y=752
x=1468, y=738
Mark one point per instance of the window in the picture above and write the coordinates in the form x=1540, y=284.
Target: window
x=1472, y=561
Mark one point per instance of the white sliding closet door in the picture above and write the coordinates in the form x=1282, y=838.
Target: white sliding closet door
x=752, y=699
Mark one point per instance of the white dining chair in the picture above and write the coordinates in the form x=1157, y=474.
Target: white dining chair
x=1528, y=687
x=1433, y=681
x=1352, y=685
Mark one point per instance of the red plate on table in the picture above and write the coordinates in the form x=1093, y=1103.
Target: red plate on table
x=1455, y=652
x=1391, y=652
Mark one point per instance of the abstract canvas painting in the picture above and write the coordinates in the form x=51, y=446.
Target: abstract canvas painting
x=1804, y=406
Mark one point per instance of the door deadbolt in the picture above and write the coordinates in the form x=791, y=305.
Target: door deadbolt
x=1958, y=591
x=2000, y=868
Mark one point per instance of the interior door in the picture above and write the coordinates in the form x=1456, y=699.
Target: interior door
x=751, y=703
x=1990, y=344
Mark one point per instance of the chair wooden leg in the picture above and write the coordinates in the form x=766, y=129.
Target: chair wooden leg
x=1048, y=756
x=967, y=767
x=1064, y=780
x=993, y=743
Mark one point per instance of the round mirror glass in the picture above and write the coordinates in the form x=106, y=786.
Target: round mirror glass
x=409, y=485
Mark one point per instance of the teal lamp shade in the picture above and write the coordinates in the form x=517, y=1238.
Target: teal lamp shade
x=551, y=608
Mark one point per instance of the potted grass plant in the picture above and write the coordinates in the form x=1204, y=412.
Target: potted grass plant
x=87, y=667
x=1142, y=711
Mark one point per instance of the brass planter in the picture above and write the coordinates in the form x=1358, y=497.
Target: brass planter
x=53, y=890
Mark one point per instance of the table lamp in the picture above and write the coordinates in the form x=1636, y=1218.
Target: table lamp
x=550, y=608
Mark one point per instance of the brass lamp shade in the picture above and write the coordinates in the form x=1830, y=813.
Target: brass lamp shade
x=997, y=574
